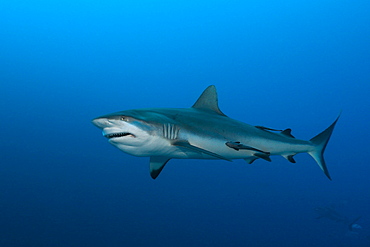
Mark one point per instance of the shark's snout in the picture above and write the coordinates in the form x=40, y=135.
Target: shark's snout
x=100, y=122
x=110, y=129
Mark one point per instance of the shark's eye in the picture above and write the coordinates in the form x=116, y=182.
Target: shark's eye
x=123, y=118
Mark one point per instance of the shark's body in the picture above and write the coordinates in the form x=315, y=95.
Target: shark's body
x=202, y=132
x=332, y=214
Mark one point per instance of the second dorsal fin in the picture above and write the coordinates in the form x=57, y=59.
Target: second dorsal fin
x=208, y=101
x=287, y=132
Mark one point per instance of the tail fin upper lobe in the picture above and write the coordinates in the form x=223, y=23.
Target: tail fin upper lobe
x=320, y=141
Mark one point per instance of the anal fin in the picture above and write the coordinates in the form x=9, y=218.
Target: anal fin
x=290, y=158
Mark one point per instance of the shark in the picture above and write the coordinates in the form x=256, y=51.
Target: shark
x=332, y=214
x=203, y=131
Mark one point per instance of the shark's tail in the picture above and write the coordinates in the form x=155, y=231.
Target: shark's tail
x=320, y=141
x=352, y=225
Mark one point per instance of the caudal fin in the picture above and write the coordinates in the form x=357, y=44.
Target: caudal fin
x=352, y=225
x=320, y=141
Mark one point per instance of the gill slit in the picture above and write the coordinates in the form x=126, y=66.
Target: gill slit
x=170, y=131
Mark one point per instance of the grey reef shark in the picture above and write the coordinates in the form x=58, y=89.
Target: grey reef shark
x=331, y=214
x=203, y=132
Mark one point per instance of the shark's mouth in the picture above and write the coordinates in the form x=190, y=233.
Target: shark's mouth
x=116, y=135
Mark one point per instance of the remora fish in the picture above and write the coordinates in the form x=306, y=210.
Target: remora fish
x=202, y=132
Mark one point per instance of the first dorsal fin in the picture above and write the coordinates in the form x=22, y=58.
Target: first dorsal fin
x=208, y=101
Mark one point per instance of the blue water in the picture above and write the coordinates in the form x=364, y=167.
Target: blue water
x=280, y=64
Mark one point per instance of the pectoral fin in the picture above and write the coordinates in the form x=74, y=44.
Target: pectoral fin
x=157, y=164
x=186, y=144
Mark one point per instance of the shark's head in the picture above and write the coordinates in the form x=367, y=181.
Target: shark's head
x=130, y=131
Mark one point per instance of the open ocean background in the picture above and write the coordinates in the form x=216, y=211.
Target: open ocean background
x=280, y=64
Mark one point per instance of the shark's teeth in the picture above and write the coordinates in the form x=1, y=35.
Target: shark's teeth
x=115, y=135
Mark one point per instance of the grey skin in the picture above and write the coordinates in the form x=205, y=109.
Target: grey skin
x=202, y=132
